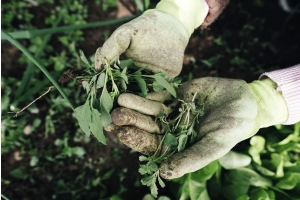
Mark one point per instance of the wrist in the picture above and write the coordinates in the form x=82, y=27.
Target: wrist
x=272, y=108
x=191, y=13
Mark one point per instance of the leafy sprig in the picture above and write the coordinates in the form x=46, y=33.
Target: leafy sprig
x=105, y=86
x=180, y=133
x=117, y=77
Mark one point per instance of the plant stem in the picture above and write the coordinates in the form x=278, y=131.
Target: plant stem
x=33, y=33
x=32, y=59
x=28, y=74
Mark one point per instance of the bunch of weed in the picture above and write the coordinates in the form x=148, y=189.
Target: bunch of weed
x=115, y=78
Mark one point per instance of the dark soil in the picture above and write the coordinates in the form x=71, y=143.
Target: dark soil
x=255, y=37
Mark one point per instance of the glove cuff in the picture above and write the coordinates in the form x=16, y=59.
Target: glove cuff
x=272, y=106
x=191, y=13
x=288, y=82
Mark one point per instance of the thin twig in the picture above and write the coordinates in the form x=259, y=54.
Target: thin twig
x=51, y=87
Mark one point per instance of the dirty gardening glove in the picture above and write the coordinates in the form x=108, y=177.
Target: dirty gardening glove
x=157, y=39
x=233, y=111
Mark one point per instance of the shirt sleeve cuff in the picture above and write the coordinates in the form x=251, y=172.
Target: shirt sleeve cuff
x=288, y=83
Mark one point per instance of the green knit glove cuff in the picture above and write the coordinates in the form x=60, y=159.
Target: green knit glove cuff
x=191, y=13
x=272, y=108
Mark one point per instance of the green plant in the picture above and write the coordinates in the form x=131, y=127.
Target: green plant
x=269, y=169
x=179, y=134
x=113, y=79
x=16, y=11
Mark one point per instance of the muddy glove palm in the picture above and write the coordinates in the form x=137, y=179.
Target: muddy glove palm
x=158, y=38
x=233, y=111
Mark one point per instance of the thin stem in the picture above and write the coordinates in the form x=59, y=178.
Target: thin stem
x=51, y=87
x=4, y=197
x=32, y=59
x=33, y=33
x=160, y=144
x=28, y=74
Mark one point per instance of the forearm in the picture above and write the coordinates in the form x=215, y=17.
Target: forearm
x=288, y=83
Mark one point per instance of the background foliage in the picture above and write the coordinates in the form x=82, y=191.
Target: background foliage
x=46, y=156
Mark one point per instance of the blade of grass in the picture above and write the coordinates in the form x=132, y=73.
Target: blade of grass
x=33, y=33
x=28, y=74
x=4, y=197
x=32, y=59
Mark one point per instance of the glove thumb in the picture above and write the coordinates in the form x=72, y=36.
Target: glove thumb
x=113, y=47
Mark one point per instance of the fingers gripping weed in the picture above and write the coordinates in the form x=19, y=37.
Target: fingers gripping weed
x=104, y=87
x=180, y=134
x=117, y=77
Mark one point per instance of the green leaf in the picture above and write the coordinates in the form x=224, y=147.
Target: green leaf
x=198, y=180
x=257, y=146
x=157, y=87
x=33, y=161
x=154, y=190
x=83, y=115
x=246, y=176
x=143, y=158
x=233, y=160
x=263, y=170
x=78, y=151
x=86, y=86
x=107, y=175
x=147, y=180
x=182, y=142
x=101, y=80
x=206, y=172
x=243, y=197
x=142, y=84
x=289, y=181
x=152, y=166
x=194, y=185
x=106, y=104
x=125, y=63
x=124, y=76
x=143, y=170
x=160, y=181
x=278, y=162
x=84, y=59
x=96, y=127
x=123, y=84
x=162, y=198
x=234, y=191
x=18, y=173
x=184, y=192
x=163, y=82
x=170, y=140
x=259, y=194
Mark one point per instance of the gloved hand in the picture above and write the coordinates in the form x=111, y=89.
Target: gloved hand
x=158, y=38
x=233, y=111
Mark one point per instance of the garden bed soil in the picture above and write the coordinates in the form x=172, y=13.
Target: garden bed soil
x=270, y=41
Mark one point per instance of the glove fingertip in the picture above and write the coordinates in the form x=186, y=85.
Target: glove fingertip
x=167, y=170
x=111, y=127
x=138, y=140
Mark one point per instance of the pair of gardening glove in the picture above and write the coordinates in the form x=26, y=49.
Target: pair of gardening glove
x=233, y=109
